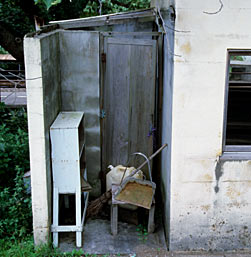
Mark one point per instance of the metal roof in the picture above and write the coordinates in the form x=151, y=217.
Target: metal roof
x=109, y=19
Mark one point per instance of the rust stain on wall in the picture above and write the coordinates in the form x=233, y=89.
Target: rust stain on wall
x=205, y=207
x=178, y=60
x=219, y=153
x=235, y=204
x=186, y=48
x=207, y=177
x=232, y=193
x=176, y=196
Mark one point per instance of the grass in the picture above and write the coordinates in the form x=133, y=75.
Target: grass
x=26, y=248
x=142, y=233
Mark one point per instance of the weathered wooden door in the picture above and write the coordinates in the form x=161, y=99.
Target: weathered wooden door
x=128, y=99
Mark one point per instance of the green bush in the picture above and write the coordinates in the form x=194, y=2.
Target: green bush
x=15, y=203
x=92, y=7
x=26, y=248
x=2, y=51
x=14, y=150
x=15, y=209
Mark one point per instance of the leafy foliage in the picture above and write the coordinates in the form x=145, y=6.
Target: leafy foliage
x=15, y=209
x=14, y=151
x=15, y=204
x=18, y=16
x=2, y=51
x=236, y=58
x=26, y=248
x=48, y=3
x=110, y=6
x=14, y=18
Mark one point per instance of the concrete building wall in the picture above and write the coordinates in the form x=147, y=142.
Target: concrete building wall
x=210, y=199
x=43, y=104
x=79, y=69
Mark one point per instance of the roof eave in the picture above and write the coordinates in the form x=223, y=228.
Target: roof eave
x=109, y=19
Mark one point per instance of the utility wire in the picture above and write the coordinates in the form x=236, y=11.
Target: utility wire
x=164, y=28
x=219, y=10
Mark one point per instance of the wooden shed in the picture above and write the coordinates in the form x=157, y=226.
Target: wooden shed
x=111, y=68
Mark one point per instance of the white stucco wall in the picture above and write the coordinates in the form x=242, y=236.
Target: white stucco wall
x=202, y=217
x=42, y=70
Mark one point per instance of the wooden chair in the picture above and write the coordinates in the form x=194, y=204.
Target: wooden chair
x=114, y=213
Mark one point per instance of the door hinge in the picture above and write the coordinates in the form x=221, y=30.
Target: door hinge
x=103, y=57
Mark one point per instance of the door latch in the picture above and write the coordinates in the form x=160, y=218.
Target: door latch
x=102, y=114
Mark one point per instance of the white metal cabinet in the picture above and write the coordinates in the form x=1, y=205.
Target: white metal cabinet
x=68, y=165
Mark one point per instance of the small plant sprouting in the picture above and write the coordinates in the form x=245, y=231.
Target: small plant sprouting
x=76, y=252
x=142, y=233
x=90, y=255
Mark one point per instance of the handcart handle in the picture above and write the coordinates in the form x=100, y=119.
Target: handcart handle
x=150, y=158
x=148, y=163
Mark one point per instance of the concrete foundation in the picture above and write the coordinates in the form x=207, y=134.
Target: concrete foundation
x=97, y=239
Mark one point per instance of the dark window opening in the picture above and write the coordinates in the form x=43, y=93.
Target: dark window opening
x=238, y=123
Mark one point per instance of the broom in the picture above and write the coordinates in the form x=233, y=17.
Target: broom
x=95, y=206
